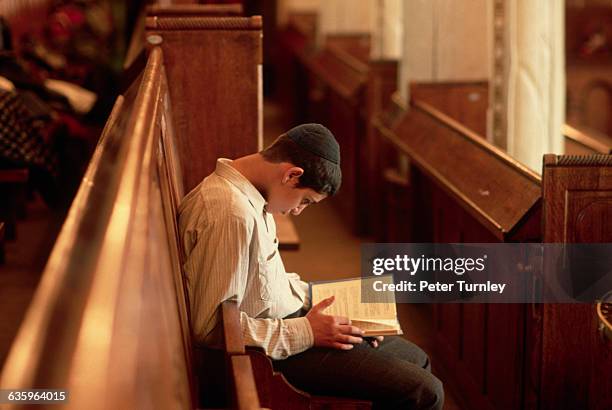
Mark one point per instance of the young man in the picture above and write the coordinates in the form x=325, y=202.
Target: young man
x=231, y=251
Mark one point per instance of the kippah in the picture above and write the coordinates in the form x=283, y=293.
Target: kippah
x=317, y=140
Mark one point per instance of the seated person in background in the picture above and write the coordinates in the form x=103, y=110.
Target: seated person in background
x=231, y=251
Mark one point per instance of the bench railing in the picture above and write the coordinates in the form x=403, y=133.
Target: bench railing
x=106, y=322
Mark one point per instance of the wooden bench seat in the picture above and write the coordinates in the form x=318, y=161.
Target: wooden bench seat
x=274, y=391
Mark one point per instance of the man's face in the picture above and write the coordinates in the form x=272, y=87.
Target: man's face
x=287, y=197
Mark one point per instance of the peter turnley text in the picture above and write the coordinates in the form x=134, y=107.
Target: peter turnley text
x=426, y=286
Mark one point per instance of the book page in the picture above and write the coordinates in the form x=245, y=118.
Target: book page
x=348, y=299
x=382, y=327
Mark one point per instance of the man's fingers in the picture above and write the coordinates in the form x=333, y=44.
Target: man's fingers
x=342, y=346
x=350, y=330
x=349, y=339
x=374, y=341
x=324, y=304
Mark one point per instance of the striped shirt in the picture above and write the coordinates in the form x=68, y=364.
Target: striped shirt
x=231, y=253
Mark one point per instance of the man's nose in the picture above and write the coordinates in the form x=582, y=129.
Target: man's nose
x=297, y=211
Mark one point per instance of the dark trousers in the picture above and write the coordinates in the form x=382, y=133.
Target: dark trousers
x=396, y=375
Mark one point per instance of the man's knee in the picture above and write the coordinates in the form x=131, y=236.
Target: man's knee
x=423, y=359
x=406, y=350
x=424, y=393
x=432, y=396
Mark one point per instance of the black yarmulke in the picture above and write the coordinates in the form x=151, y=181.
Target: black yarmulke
x=317, y=140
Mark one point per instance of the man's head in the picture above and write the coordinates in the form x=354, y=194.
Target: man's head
x=311, y=171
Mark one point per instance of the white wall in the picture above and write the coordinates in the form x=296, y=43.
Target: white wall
x=344, y=17
x=445, y=40
x=284, y=7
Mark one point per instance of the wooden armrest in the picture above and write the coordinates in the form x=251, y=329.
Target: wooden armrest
x=232, y=332
x=245, y=390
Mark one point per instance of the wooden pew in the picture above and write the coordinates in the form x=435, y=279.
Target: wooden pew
x=461, y=189
x=296, y=42
x=194, y=10
x=345, y=90
x=274, y=390
x=109, y=321
x=577, y=207
x=465, y=102
x=582, y=141
x=224, y=73
x=197, y=34
x=135, y=57
x=465, y=190
x=337, y=79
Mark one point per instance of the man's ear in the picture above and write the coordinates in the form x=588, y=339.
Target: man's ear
x=292, y=175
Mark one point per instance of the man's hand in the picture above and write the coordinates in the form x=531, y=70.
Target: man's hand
x=374, y=341
x=332, y=331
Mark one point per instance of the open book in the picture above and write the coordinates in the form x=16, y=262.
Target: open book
x=375, y=313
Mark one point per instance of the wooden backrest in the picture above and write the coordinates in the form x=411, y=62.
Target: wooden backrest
x=478, y=177
x=469, y=191
x=580, y=140
x=463, y=189
x=465, y=102
x=577, y=194
x=217, y=97
x=135, y=56
x=340, y=65
x=193, y=10
x=109, y=317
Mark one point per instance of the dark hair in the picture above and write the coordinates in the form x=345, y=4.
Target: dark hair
x=320, y=174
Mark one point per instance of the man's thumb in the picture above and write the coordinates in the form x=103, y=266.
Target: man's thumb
x=324, y=303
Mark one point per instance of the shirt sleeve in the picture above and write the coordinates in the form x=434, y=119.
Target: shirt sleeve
x=300, y=287
x=217, y=270
x=280, y=338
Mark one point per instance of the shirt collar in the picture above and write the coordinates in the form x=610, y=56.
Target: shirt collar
x=231, y=174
